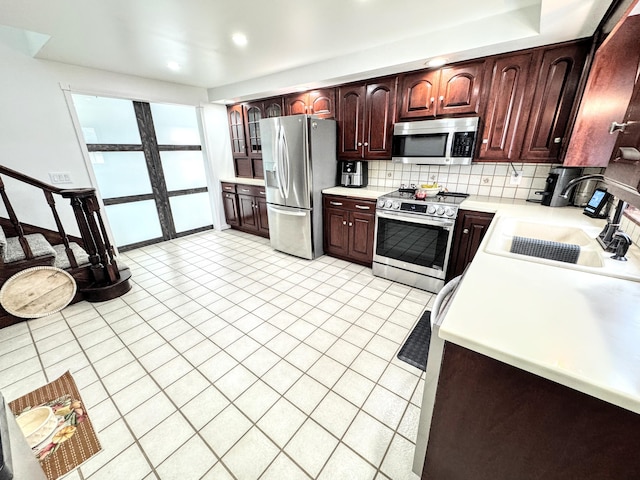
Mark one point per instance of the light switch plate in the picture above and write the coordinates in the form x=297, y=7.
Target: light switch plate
x=60, y=177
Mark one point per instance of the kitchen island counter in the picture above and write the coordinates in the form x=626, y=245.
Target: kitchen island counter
x=575, y=328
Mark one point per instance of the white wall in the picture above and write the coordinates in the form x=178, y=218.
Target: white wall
x=37, y=134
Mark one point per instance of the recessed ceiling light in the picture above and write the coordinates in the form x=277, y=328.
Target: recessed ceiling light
x=435, y=62
x=239, y=39
x=175, y=66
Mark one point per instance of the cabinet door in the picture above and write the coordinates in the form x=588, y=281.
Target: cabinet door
x=273, y=107
x=253, y=114
x=322, y=102
x=236, y=130
x=555, y=89
x=459, y=89
x=336, y=231
x=230, y=206
x=378, y=130
x=296, y=104
x=469, y=231
x=351, y=105
x=262, y=216
x=361, y=230
x=418, y=94
x=248, y=218
x=243, y=167
x=257, y=167
x=504, y=115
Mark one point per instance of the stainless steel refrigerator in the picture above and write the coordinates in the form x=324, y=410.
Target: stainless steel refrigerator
x=299, y=158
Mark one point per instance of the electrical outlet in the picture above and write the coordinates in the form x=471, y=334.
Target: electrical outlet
x=516, y=177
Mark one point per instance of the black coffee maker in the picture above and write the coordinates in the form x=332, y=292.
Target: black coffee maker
x=557, y=180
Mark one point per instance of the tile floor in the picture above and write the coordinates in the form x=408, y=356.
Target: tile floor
x=230, y=360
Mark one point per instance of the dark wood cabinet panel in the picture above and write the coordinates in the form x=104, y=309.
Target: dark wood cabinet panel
x=235, y=114
x=417, y=92
x=610, y=84
x=243, y=167
x=453, y=90
x=349, y=226
x=506, y=107
x=556, y=84
x=230, y=206
x=319, y=102
x=247, y=209
x=494, y=421
x=365, y=119
x=468, y=232
x=459, y=89
x=253, y=115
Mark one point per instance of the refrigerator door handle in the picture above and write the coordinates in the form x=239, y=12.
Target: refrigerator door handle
x=284, y=162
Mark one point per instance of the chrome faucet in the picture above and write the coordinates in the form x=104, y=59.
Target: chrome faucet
x=576, y=181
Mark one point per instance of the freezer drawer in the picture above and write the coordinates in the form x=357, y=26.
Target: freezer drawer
x=290, y=230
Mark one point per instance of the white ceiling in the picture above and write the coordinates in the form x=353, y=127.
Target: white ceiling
x=292, y=44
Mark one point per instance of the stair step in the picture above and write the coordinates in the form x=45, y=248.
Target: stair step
x=62, y=261
x=39, y=247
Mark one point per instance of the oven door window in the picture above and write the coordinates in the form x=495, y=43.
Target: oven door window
x=414, y=243
x=420, y=145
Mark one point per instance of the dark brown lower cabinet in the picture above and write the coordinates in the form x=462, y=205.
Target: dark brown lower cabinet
x=247, y=209
x=468, y=232
x=494, y=421
x=349, y=226
x=247, y=167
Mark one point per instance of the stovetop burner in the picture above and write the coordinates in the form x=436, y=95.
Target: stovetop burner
x=445, y=204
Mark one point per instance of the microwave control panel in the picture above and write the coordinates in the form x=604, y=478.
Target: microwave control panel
x=463, y=143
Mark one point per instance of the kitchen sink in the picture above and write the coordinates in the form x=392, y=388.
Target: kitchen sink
x=501, y=241
x=592, y=257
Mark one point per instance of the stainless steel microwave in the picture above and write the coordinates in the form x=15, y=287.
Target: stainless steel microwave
x=445, y=141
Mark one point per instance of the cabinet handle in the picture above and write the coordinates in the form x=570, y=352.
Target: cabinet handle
x=485, y=141
x=617, y=127
x=465, y=231
x=344, y=223
x=359, y=144
x=441, y=99
x=351, y=224
x=261, y=192
x=337, y=204
x=366, y=144
x=433, y=99
x=363, y=207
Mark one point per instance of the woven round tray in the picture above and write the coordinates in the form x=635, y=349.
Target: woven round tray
x=37, y=292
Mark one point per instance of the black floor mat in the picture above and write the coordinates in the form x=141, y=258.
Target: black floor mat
x=416, y=349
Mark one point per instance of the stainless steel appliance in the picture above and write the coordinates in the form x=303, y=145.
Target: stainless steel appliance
x=557, y=180
x=584, y=192
x=354, y=173
x=299, y=158
x=413, y=238
x=446, y=141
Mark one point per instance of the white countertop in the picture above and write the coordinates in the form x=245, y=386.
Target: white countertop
x=365, y=192
x=244, y=181
x=579, y=329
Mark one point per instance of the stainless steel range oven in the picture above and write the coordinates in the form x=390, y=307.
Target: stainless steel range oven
x=413, y=238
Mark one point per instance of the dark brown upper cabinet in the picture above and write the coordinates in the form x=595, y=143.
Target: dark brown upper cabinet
x=606, y=97
x=451, y=90
x=558, y=71
x=253, y=113
x=319, y=102
x=235, y=114
x=365, y=119
x=506, y=107
x=529, y=101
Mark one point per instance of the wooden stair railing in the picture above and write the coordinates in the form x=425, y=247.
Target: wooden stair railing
x=104, y=268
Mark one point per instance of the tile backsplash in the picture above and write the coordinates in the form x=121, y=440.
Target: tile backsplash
x=491, y=179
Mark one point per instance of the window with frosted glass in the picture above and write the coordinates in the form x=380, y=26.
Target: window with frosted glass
x=183, y=170
x=191, y=211
x=134, y=222
x=175, y=124
x=120, y=174
x=106, y=120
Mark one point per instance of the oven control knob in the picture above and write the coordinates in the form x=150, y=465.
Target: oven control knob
x=431, y=209
x=396, y=205
x=440, y=211
x=388, y=204
x=381, y=203
x=449, y=212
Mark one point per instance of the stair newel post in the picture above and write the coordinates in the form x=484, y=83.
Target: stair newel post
x=14, y=221
x=90, y=203
x=97, y=271
x=65, y=240
x=112, y=260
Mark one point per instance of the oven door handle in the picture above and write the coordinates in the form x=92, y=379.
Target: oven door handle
x=435, y=221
